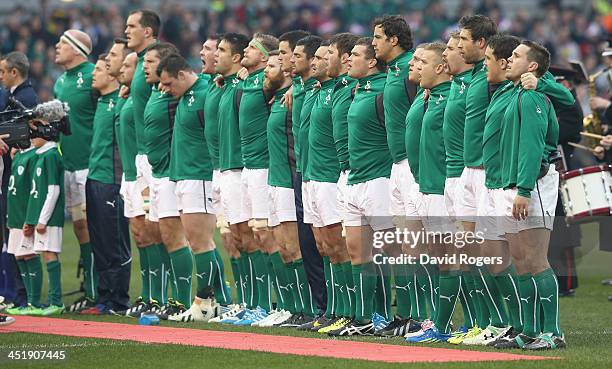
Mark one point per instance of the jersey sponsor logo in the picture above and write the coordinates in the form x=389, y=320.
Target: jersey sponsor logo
x=111, y=105
x=38, y=171
x=235, y=81
x=440, y=99
x=111, y=203
x=538, y=110
x=396, y=69
x=256, y=81
x=20, y=170
x=462, y=89
x=191, y=99
x=367, y=86
x=327, y=98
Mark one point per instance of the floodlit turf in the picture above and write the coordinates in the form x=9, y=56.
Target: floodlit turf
x=586, y=320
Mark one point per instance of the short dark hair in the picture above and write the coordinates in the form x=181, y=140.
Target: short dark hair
x=292, y=37
x=539, y=54
x=311, y=44
x=344, y=42
x=102, y=57
x=124, y=42
x=325, y=43
x=164, y=49
x=238, y=42
x=148, y=18
x=396, y=26
x=437, y=47
x=274, y=53
x=502, y=45
x=173, y=64
x=480, y=26
x=371, y=53
x=17, y=60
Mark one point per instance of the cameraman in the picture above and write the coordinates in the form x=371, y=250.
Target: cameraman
x=14, y=71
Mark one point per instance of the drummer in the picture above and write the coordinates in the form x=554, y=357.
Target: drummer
x=604, y=108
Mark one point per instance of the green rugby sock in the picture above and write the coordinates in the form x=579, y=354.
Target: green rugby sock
x=304, y=288
x=262, y=280
x=339, y=291
x=235, y=263
x=205, y=269
x=156, y=271
x=54, y=272
x=364, y=278
x=466, y=303
x=36, y=278
x=548, y=294
x=223, y=294
x=181, y=262
x=403, y=284
x=145, y=274
x=417, y=289
x=493, y=299
x=90, y=281
x=483, y=319
x=25, y=278
x=383, y=291
x=528, y=293
x=293, y=276
x=427, y=278
x=450, y=284
x=328, y=287
x=349, y=288
x=167, y=275
x=508, y=285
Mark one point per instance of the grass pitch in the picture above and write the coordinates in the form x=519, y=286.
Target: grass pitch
x=586, y=320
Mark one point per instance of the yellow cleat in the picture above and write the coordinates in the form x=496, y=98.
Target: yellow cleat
x=337, y=325
x=472, y=332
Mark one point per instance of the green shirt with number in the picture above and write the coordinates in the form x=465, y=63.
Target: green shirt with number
x=74, y=88
x=104, y=160
x=158, y=122
x=48, y=170
x=190, y=159
x=18, y=191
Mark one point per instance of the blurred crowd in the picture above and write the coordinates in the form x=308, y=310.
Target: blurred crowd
x=569, y=32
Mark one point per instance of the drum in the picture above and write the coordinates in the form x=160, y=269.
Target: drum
x=587, y=193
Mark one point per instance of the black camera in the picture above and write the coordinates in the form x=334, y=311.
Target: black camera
x=15, y=121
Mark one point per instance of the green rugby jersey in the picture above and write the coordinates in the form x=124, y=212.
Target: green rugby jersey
x=477, y=102
x=280, y=143
x=104, y=161
x=158, y=122
x=454, y=122
x=529, y=133
x=48, y=170
x=414, y=121
x=230, y=151
x=126, y=136
x=140, y=91
x=211, y=117
x=190, y=159
x=397, y=103
x=304, y=130
x=253, y=117
x=495, y=114
x=18, y=191
x=323, y=165
x=341, y=102
x=74, y=87
x=369, y=156
x=433, y=175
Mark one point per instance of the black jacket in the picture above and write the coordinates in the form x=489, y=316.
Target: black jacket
x=25, y=94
